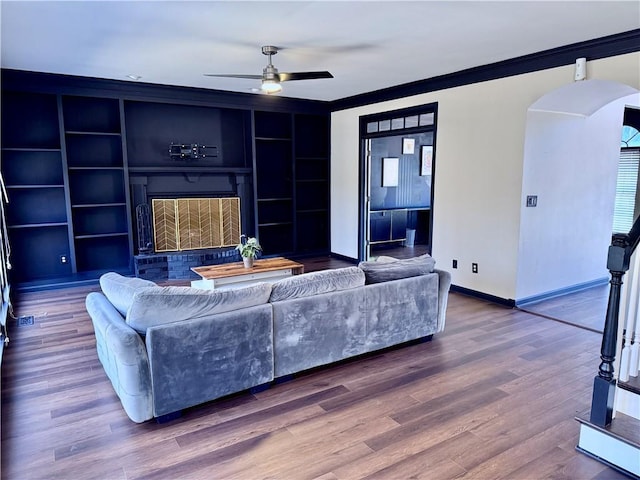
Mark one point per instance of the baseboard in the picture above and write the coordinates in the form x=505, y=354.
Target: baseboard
x=627, y=402
x=54, y=284
x=344, y=257
x=605, y=462
x=561, y=291
x=507, y=302
x=609, y=447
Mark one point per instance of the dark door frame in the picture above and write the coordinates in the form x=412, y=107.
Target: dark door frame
x=365, y=134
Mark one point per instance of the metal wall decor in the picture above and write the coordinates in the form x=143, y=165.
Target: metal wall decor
x=191, y=151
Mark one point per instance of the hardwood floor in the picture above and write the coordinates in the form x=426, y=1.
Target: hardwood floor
x=494, y=396
x=586, y=308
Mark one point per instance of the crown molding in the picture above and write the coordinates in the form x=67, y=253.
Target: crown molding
x=41, y=82
x=609, y=46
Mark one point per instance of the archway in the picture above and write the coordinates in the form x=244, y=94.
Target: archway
x=571, y=152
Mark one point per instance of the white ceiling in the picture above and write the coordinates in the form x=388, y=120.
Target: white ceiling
x=366, y=45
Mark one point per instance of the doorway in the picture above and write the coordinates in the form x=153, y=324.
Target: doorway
x=396, y=182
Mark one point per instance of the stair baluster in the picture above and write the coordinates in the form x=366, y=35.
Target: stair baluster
x=604, y=384
x=630, y=313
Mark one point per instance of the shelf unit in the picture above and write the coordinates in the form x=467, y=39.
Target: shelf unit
x=78, y=156
x=292, y=182
x=98, y=183
x=311, y=149
x=273, y=177
x=33, y=170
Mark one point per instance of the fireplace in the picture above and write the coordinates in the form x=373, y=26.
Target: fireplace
x=195, y=223
x=190, y=232
x=232, y=189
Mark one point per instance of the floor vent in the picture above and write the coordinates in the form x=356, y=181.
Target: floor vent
x=25, y=321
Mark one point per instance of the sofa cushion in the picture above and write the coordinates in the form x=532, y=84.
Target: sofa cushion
x=315, y=283
x=376, y=272
x=162, y=305
x=385, y=259
x=120, y=290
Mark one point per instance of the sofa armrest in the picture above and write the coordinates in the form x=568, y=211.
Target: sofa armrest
x=198, y=360
x=123, y=356
x=444, y=285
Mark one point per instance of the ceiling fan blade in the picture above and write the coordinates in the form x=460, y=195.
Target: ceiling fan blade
x=251, y=77
x=289, y=76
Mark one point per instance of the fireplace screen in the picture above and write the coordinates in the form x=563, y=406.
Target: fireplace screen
x=193, y=223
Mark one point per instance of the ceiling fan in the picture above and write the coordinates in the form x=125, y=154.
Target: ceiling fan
x=271, y=78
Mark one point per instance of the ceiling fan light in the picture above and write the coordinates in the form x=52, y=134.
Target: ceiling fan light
x=271, y=86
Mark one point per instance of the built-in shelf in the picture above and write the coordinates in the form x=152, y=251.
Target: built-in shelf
x=39, y=225
x=185, y=168
x=98, y=252
x=311, y=151
x=98, y=205
x=96, y=168
x=314, y=210
x=273, y=224
x=29, y=187
x=76, y=166
x=33, y=169
x=36, y=206
x=30, y=149
x=98, y=183
x=102, y=235
x=273, y=139
x=292, y=171
x=77, y=132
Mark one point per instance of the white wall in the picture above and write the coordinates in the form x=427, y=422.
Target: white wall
x=478, y=170
x=571, y=164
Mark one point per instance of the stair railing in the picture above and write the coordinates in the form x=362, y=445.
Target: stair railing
x=630, y=312
x=604, y=384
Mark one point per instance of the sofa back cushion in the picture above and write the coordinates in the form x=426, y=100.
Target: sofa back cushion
x=120, y=290
x=387, y=270
x=315, y=283
x=162, y=305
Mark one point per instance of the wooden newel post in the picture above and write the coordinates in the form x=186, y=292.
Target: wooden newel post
x=604, y=384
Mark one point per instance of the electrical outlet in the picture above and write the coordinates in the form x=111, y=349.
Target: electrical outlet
x=64, y=259
x=455, y=264
x=474, y=268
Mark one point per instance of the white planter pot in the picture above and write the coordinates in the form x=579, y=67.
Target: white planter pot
x=248, y=262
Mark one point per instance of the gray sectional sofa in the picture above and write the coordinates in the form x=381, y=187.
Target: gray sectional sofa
x=169, y=348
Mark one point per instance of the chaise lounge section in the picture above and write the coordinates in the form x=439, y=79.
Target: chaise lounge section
x=170, y=348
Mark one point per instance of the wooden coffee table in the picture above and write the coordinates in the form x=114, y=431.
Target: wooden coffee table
x=235, y=275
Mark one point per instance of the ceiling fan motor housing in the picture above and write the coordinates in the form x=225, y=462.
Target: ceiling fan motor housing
x=269, y=50
x=270, y=73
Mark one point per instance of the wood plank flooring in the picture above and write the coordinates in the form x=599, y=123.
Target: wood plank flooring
x=494, y=396
x=586, y=308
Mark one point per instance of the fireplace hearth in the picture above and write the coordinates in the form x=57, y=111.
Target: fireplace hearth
x=177, y=265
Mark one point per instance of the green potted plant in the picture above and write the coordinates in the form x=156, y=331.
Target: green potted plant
x=249, y=249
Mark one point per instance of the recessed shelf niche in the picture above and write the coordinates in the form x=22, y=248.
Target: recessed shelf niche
x=98, y=183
